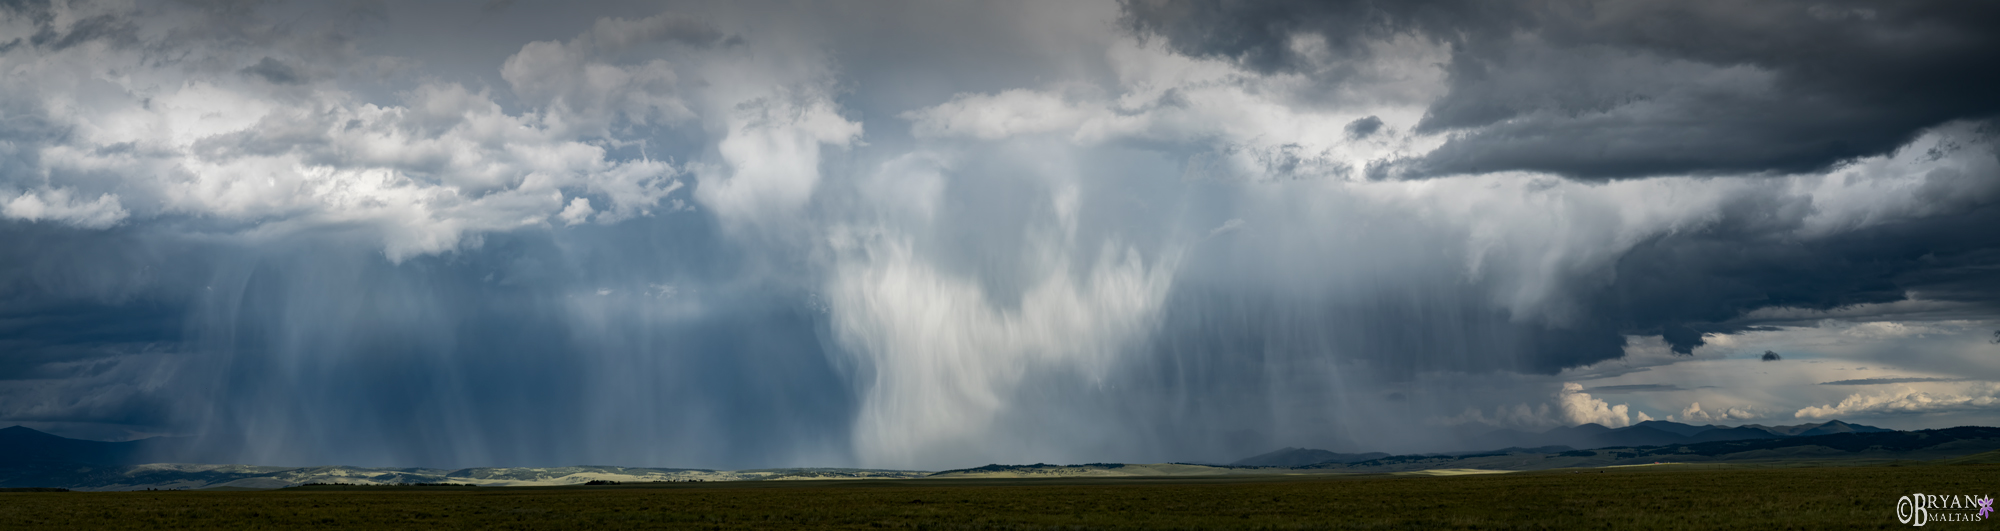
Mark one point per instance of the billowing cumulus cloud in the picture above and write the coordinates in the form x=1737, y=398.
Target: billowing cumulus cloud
x=58, y=207
x=771, y=156
x=1907, y=401
x=1572, y=407
x=122, y=131
x=929, y=235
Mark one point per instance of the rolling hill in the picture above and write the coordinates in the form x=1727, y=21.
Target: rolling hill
x=1290, y=457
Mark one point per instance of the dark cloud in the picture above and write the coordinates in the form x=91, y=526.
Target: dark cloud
x=103, y=27
x=1771, y=356
x=1258, y=34
x=1364, y=127
x=517, y=352
x=1395, y=338
x=1678, y=285
x=274, y=71
x=1937, y=259
x=90, y=322
x=1625, y=89
x=141, y=330
x=1681, y=339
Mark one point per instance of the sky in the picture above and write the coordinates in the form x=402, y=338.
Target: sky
x=942, y=234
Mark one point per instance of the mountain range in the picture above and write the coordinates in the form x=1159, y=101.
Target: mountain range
x=1587, y=436
x=1660, y=432
x=24, y=446
x=1965, y=445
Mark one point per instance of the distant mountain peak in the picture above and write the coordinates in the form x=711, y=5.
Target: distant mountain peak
x=20, y=445
x=1588, y=427
x=24, y=431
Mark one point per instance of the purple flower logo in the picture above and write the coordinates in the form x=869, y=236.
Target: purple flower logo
x=1985, y=506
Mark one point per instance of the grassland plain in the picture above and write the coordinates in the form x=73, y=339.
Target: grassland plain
x=1645, y=497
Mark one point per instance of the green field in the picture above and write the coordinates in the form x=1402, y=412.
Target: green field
x=1647, y=497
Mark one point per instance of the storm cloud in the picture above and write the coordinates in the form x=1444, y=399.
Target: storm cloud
x=1627, y=89
x=927, y=235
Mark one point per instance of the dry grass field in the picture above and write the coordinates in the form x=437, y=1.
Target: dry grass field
x=1647, y=497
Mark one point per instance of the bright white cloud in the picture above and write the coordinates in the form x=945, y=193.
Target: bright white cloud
x=1578, y=408
x=996, y=116
x=1572, y=407
x=1946, y=168
x=578, y=211
x=1908, y=400
x=59, y=206
x=771, y=155
x=443, y=162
